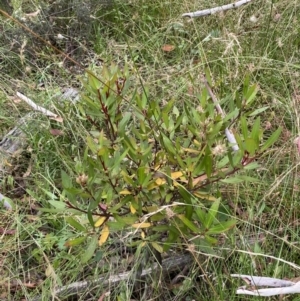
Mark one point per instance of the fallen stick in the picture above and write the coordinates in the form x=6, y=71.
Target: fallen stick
x=35, y=106
x=168, y=265
x=210, y=11
x=279, y=286
x=6, y=204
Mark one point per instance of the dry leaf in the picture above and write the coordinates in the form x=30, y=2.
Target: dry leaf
x=7, y=231
x=56, y=132
x=168, y=48
x=57, y=118
x=34, y=14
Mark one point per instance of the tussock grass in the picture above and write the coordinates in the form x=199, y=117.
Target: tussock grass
x=260, y=39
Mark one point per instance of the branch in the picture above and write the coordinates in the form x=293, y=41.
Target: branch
x=279, y=286
x=6, y=204
x=228, y=133
x=168, y=265
x=35, y=106
x=210, y=11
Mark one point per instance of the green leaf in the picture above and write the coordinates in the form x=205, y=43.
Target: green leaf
x=208, y=162
x=222, y=227
x=72, y=222
x=90, y=218
x=202, y=215
x=272, y=139
x=244, y=127
x=141, y=174
x=211, y=240
x=66, y=180
x=120, y=158
x=188, y=200
x=258, y=111
x=126, y=220
x=168, y=144
x=251, y=93
x=188, y=223
x=232, y=180
x=92, y=246
x=93, y=81
x=75, y=242
x=204, y=245
x=124, y=122
x=251, y=146
x=115, y=226
x=252, y=165
x=52, y=210
x=211, y=214
x=256, y=130
x=91, y=144
x=248, y=179
x=57, y=204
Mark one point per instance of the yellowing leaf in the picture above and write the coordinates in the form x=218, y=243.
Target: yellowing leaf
x=204, y=196
x=192, y=151
x=176, y=184
x=143, y=235
x=160, y=181
x=50, y=271
x=141, y=225
x=132, y=209
x=100, y=221
x=125, y=192
x=152, y=185
x=151, y=208
x=104, y=235
x=176, y=175
x=157, y=247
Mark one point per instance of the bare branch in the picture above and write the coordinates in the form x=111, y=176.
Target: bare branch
x=35, y=106
x=210, y=11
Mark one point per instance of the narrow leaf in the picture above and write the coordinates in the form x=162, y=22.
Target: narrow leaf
x=244, y=127
x=141, y=225
x=222, y=227
x=251, y=93
x=274, y=137
x=66, y=180
x=75, y=242
x=259, y=111
x=212, y=212
x=100, y=221
x=189, y=224
x=157, y=247
x=88, y=254
x=71, y=221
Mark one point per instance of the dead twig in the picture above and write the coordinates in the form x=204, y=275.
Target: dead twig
x=210, y=11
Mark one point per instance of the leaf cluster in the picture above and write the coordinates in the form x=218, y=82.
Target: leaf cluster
x=150, y=167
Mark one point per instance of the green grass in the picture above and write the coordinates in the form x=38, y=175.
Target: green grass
x=231, y=47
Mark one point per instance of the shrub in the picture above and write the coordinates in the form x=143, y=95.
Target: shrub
x=153, y=168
